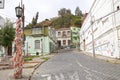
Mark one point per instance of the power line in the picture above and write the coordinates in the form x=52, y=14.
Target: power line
x=29, y=11
x=12, y=17
x=7, y=16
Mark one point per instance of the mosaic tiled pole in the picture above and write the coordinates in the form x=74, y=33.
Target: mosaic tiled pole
x=18, y=59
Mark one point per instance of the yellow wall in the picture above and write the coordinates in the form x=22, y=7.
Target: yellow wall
x=27, y=32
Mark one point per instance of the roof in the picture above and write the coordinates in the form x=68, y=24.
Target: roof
x=62, y=29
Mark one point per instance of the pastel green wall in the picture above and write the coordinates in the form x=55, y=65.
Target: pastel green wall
x=75, y=36
x=30, y=45
x=46, y=45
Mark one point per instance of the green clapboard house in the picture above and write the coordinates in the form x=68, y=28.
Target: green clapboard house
x=75, y=37
x=39, y=40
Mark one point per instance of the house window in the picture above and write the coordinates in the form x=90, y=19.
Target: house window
x=64, y=42
x=68, y=42
x=64, y=34
x=68, y=32
x=75, y=38
x=37, y=44
x=59, y=33
x=36, y=31
x=118, y=7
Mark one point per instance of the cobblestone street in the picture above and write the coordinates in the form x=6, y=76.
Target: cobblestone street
x=73, y=65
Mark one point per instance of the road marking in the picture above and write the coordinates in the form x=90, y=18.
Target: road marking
x=47, y=76
x=107, y=75
x=60, y=78
x=75, y=76
x=82, y=65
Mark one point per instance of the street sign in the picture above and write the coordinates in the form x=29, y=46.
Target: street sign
x=2, y=4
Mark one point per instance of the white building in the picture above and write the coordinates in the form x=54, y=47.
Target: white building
x=100, y=31
x=2, y=22
x=63, y=37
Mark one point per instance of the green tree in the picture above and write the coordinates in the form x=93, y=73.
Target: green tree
x=36, y=17
x=7, y=34
x=78, y=12
x=33, y=22
x=62, y=12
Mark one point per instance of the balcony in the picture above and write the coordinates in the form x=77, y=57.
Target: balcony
x=37, y=32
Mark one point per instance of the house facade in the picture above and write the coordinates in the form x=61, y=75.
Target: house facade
x=100, y=32
x=39, y=40
x=75, y=39
x=63, y=36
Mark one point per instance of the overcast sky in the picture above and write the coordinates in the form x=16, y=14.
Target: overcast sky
x=46, y=8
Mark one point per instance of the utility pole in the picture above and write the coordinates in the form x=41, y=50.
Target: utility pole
x=92, y=21
x=23, y=23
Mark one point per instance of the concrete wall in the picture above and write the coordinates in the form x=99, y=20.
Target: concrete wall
x=102, y=27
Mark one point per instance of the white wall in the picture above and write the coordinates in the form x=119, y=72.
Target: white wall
x=106, y=24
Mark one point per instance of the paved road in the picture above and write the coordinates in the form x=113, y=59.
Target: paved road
x=71, y=65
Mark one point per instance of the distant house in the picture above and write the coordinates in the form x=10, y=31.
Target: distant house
x=63, y=36
x=75, y=36
x=39, y=40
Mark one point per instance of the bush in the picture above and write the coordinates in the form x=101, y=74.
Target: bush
x=72, y=46
x=46, y=58
x=29, y=58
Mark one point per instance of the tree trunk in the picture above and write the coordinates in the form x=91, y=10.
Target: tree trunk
x=5, y=52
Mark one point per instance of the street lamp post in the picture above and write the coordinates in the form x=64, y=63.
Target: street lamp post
x=93, y=45
x=18, y=59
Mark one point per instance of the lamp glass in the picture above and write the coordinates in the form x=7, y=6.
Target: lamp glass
x=18, y=11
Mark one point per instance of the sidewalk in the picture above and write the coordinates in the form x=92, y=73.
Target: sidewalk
x=6, y=72
x=105, y=58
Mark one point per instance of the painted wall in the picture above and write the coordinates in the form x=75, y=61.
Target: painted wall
x=44, y=35
x=103, y=24
x=63, y=34
x=30, y=45
x=75, y=36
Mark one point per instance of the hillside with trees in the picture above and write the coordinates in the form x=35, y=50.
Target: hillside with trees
x=65, y=19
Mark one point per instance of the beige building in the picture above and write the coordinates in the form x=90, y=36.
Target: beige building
x=63, y=36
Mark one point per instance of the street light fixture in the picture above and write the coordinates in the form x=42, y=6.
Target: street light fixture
x=18, y=11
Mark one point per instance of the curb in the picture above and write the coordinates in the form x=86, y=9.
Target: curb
x=35, y=69
x=98, y=56
x=7, y=67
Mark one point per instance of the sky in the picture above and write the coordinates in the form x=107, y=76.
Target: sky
x=46, y=8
